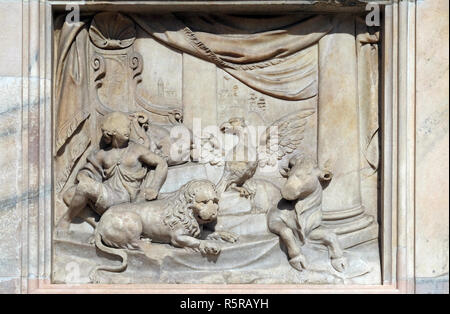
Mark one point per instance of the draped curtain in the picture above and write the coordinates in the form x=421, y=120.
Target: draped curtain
x=71, y=93
x=267, y=53
x=71, y=98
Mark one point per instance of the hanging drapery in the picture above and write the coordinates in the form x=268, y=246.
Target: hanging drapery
x=277, y=56
x=71, y=98
x=71, y=93
x=268, y=54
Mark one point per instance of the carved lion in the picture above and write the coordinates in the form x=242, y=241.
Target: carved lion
x=176, y=218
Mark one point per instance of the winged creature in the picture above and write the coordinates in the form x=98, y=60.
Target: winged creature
x=275, y=145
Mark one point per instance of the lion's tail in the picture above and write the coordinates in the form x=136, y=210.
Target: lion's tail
x=118, y=252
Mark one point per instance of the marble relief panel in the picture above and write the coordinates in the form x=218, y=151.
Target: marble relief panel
x=199, y=148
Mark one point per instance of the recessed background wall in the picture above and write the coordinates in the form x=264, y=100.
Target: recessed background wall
x=432, y=152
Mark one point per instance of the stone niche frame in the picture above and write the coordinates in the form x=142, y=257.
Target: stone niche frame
x=397, y=104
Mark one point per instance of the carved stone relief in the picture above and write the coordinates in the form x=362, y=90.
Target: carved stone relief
x=195, y=148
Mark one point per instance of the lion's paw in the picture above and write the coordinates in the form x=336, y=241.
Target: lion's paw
x=209, y=248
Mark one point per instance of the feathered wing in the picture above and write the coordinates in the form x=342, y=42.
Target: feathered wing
x=283, y=137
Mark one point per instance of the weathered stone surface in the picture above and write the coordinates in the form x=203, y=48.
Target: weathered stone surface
x=162, y=263
x=432, y=138
x=432, y=285
x=271, y=130
x=10, y=161
x=183, y=69
x=9, y=285
x=10, y=139
x=11, y=37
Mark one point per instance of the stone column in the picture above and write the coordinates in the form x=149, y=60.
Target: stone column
x=338, y=136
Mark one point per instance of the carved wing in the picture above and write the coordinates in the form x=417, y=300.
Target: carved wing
x=207, y=149
x=283, y=137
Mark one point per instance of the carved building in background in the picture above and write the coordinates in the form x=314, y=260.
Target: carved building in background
x=297, y=203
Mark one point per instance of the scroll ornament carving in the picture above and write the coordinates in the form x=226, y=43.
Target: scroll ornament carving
x=98, y=65
x=132, y=192
x=114, y=31
x=136, y=64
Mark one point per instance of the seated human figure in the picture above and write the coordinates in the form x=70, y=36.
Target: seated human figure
x=115, y=173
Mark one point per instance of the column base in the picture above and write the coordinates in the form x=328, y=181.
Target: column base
x=354, y=230
x=357, y=237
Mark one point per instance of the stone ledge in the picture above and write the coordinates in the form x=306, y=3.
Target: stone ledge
x=252, y=6
x=436, y=285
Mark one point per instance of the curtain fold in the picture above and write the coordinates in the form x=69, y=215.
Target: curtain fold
x=72, y=136
x=71, y=81
x=274, y=55
x=269, y=54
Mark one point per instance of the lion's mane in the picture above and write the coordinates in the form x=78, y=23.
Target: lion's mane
x=179, y=210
